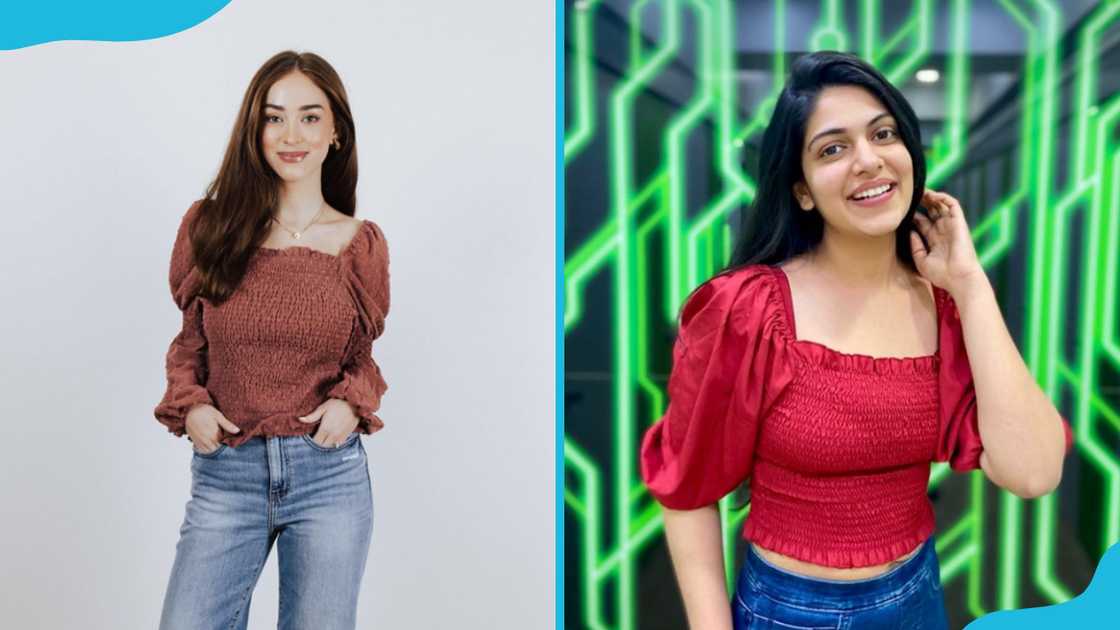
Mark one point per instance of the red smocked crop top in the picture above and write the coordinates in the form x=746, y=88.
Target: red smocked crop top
x=298, y=329
x=837, y=446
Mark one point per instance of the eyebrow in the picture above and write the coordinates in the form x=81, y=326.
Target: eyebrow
x=835, y=131
x=304, y=108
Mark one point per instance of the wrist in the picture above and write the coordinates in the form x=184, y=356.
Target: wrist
x=968, y=288
x=189, y=410
x=352, y=406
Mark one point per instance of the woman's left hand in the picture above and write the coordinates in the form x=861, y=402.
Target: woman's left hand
x=950, y=261
x=338, y=422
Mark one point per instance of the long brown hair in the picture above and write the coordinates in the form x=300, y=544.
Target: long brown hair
x=233, y=218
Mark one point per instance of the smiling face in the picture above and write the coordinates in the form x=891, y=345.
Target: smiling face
x=858, y=173
x=298, y=127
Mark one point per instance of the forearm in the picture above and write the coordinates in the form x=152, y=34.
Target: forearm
x=696, y=546
x=186, y=367
x=1024, y=442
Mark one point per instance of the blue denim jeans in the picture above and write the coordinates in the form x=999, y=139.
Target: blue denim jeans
x=314, y=502
x=908, y=597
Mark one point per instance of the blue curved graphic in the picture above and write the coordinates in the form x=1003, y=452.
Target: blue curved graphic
x=30, y=23
x=1090, y=609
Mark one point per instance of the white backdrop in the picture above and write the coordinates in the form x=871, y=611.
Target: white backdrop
x=105, y=146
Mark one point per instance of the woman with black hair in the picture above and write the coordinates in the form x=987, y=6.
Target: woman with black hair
x=897, y=357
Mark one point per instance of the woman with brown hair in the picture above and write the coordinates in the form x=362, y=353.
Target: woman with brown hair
x=271, y=377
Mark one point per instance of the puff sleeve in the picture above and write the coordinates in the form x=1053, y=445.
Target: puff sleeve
x=958, y=439
x=729, y=365
x=366, y=269
x=186, y=358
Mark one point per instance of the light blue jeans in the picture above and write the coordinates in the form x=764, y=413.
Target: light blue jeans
x=314, y=502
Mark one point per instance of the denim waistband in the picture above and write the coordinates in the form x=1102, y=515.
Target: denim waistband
x=785, y=585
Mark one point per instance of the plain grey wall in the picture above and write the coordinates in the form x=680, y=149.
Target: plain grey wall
x=106, y=144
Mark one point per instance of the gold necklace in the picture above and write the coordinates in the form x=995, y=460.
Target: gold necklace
x=296, y=235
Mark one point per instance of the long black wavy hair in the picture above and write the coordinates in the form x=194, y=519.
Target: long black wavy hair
x=775, y=228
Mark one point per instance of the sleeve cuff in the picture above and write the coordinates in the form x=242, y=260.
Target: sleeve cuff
x=364, y=405
x=173, y=414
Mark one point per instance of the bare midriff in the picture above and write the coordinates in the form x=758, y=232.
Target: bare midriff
x=809, y=569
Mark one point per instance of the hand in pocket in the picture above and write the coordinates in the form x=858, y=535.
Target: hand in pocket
x=204, y=423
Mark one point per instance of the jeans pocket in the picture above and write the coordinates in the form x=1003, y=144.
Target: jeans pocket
x=923, y=607
x=757, y=610
x=349, y=441
x=212, y=454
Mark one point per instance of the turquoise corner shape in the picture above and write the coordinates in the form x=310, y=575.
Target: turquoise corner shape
x=29, y=23
x=1091, y=609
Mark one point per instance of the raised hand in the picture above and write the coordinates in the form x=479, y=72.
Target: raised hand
x=947, y=258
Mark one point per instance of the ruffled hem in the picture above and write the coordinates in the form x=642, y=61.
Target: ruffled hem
x=836, y=558
x=281, y=424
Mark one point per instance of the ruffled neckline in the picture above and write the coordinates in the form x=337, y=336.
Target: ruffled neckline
x=303, y=251
x=820, y=354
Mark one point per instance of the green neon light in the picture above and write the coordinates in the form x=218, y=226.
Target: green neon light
x=578, y=136
x=659, y=238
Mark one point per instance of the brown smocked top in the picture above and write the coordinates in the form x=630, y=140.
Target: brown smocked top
x=298, y=330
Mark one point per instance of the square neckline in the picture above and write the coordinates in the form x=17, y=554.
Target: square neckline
x=788, y=313
x=318, y=252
